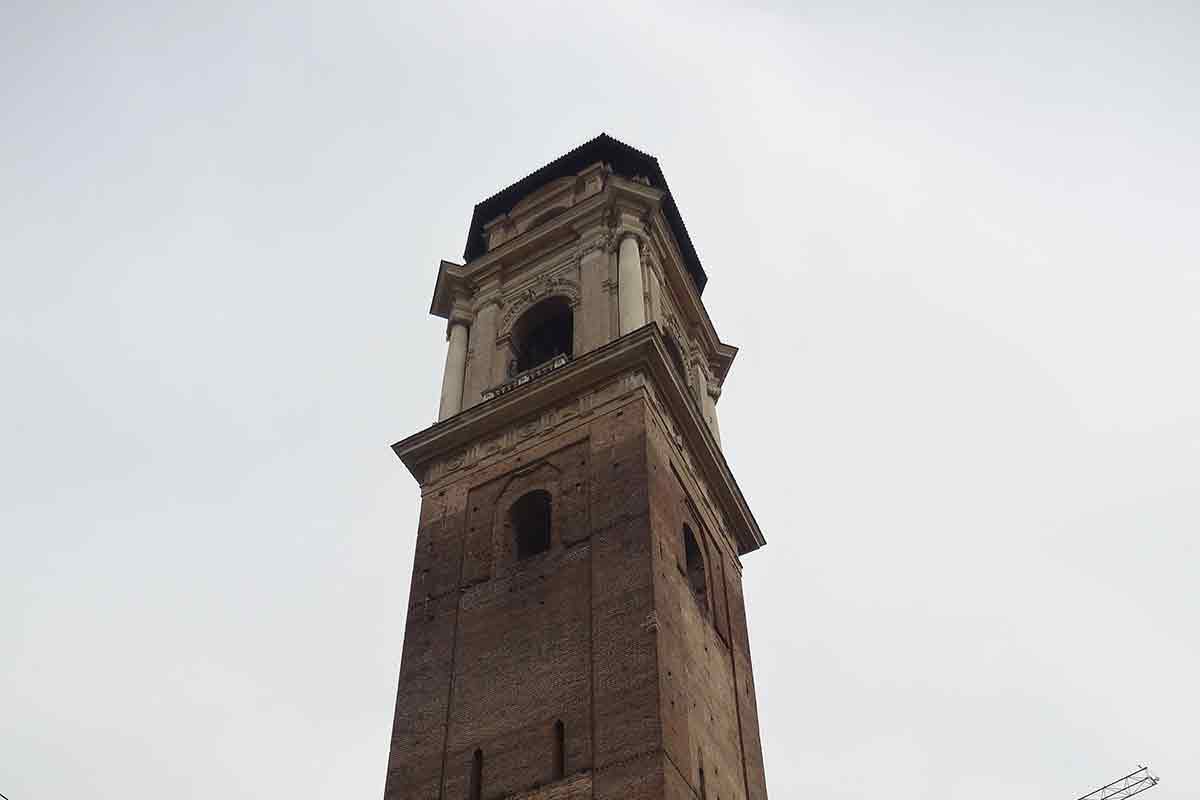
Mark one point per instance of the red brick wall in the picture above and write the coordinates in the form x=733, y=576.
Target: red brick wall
x=601, y=632
x=703, y=723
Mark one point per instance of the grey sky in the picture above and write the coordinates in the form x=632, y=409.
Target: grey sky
x=972, y=441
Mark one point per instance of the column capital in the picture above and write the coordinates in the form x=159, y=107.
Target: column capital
x=624, y=232
x=457, y=321
x=460, y=314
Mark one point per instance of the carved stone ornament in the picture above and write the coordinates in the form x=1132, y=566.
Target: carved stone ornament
x=602, y=243
x=548, y=420
x=624, y=232
x=551, y=286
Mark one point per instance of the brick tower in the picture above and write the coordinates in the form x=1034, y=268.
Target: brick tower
x=575, y=625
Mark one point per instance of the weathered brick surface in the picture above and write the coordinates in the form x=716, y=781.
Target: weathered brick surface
x=638, y=778
x=601, y=632
x=747, y=704
x=696, y=669
x=623, y=642
x=574, y=787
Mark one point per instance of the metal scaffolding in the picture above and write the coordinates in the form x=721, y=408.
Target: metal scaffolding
x=1135, y=782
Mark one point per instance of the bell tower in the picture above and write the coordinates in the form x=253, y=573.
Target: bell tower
x=575, y=626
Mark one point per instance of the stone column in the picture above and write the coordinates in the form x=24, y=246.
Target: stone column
x=456, y=363
x=593, y=318
x=483, y=344
x=630, y=298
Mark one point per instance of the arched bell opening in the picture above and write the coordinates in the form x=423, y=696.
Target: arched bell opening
x=545, y=331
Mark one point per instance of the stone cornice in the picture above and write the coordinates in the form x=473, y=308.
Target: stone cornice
x=451, y=284
x=642, y=351
x=559, y=228
x=461, y=278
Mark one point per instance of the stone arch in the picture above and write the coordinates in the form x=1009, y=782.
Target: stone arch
x=544, y=331
x=522, y=301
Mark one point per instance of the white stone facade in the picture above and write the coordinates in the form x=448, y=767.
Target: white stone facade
x=602, y=243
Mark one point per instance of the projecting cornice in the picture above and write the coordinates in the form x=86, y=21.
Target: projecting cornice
x=451, y=285
x=642, y=351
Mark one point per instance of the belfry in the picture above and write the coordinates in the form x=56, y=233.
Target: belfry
x=575, y=626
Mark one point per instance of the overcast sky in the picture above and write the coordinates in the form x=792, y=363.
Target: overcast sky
x=958, y=248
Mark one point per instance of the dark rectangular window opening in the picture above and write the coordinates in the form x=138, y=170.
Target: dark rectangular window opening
x=476, y=787
x=560, y=750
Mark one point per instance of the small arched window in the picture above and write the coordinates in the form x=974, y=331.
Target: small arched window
x=543, y=332
x=530, y=519
x=694, y=558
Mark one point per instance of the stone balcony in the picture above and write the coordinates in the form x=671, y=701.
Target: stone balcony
x=522, y=378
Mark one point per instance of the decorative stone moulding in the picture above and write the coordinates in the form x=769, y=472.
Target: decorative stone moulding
x=527, y=298
x=636, y=360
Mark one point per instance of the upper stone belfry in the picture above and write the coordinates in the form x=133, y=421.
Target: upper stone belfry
x=582, y=251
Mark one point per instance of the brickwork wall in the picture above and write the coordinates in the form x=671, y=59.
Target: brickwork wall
x=576, y=787
x=747, y=704
x=700, y=703
x=601, y=632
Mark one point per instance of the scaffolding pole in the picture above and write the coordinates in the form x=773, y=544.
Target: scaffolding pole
x=1135, y=782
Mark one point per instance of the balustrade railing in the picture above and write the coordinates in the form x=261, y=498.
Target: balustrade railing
x=522, y=378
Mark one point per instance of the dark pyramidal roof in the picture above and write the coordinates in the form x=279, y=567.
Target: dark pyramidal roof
x=626, y=161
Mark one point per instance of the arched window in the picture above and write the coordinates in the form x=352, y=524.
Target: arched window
x=695, y=565
x=530, y=518
x=543, y=332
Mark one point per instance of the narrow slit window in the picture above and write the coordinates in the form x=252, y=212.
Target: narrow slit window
x=694, y=559
x=560, y=750
x=476, y=787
